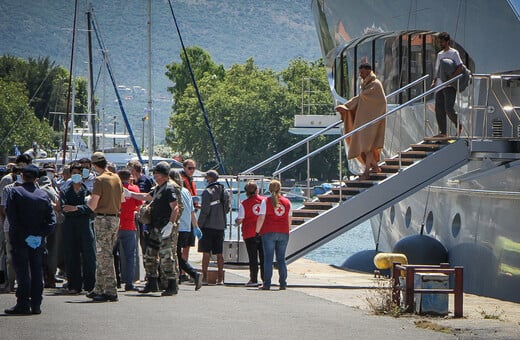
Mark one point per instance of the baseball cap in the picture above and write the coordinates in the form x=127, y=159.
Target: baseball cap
x=31, y=171
x=212, y=173
x=162, y=168
x=97, y=157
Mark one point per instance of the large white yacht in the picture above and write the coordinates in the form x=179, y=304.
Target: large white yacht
x=473, y=205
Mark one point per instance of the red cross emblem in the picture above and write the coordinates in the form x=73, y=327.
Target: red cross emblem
x=256, y=209
x=279, y=211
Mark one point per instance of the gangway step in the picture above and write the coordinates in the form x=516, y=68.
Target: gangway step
x=360, y=183
x=425, y=147
x=390, y=168
x=306, y=212
x=318, y=205
x=404, y=161
x=377, y=176
x=299, y=220
x=416, y=154
x=346, y=190
x=333, y=197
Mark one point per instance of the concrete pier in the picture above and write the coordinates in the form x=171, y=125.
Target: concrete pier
x=321, y=302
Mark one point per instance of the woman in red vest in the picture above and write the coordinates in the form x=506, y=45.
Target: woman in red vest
x=273, y=225
x=248, y=212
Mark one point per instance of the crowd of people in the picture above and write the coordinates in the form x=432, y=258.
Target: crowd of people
x=84, y=223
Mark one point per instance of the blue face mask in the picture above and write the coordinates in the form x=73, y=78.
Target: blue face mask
x=76, y=178
x=19, y=179
x=85, y=173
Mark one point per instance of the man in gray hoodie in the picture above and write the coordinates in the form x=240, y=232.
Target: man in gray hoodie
x=212, y=222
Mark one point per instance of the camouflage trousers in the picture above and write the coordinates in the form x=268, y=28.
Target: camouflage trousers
x=106, y=228
x=162, y=253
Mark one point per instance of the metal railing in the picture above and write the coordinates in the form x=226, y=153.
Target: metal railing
x=322, y=131
x=370, y=123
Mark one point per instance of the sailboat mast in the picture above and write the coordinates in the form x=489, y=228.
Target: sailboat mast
x=149, y=85
x=91, y=102
x=69, y=90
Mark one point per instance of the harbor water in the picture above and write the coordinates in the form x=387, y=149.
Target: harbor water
x=342, y=247
x=334, y=252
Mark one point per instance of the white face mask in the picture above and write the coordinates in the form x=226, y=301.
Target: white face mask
x=50, y=174
x=75, y=178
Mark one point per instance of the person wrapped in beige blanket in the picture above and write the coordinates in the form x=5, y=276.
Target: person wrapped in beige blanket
x=366, y=144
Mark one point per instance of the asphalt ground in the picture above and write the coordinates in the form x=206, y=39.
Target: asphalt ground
x=321, y=302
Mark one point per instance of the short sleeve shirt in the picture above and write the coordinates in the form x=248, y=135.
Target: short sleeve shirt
x=161, y=210
x=109, y=188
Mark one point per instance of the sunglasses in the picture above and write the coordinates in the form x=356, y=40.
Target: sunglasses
x=190, y=168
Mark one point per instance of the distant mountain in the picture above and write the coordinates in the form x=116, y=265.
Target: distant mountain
x=271, y=31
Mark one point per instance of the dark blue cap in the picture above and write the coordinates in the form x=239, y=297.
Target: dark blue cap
x=31, y=171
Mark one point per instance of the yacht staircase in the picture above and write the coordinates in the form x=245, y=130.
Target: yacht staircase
x=343, y=208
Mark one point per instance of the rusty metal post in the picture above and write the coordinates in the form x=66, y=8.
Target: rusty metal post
x=396, y=287
x=459, y=290
x=410, y=271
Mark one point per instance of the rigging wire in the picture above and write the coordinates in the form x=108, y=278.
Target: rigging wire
x=201, y=103
x=69, y=89
x=118, y=96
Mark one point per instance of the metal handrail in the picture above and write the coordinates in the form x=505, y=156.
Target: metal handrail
x=322, y=131
x=326, y=146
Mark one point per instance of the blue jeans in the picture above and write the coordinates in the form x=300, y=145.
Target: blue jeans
x=127, y=239
x=275, y=243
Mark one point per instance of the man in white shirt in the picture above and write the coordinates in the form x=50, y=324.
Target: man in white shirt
x=447, y=65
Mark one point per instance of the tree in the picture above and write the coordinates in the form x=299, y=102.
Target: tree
x=250, y=112
x=19, y=126
x=201, y=64
x=46, y=86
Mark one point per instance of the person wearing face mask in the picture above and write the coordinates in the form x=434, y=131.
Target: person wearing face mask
x=78, y=235
x=87, y=175
x=26, y=235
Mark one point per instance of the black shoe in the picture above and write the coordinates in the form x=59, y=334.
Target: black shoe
x=172, y=288
x=283, y=287
x=198, y=281
x=92, y=294
x=111, y=298
x=184, y=278
x=36, y=310
x=18, y=311
x=100, y=298
x=129, y=288
x=151, y=286
x=264, y=287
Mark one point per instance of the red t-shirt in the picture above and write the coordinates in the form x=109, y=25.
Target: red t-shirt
x=128, y=209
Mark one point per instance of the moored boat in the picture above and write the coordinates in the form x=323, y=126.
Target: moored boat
x=473, y=210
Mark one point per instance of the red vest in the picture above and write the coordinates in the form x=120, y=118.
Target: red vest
x=276, y=219
x=251, y=210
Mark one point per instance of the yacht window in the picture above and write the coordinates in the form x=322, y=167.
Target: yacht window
x=408, y=217
x=429, y=222
x=456, y=225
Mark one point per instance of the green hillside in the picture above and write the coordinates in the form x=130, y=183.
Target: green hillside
x=272, y=32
